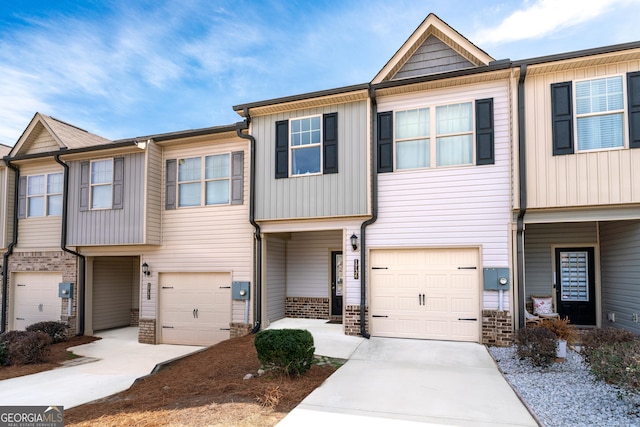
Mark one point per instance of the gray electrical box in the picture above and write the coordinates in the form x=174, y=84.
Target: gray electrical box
x=240, y=290
x=65, y=290
x=496, y=279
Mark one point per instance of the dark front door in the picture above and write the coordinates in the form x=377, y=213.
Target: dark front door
x=337, y=285
x=575, y=285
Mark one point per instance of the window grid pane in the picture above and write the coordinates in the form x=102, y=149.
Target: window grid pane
x=599, y=95
x=413, y=154
x=305, y=131
x=454, y=150
x=574, y=274
x=599, y=132
x=455, y=118
x=101, y=197
x=54, y=183
x=101, y=172
x=305, y=160
x=189, y=194
x=217, y=166
x=54, y=205
x=35, y=185
x=189, y=169
x=217, y=192
x=36, y=206
x=412, y=123
x=306, y=139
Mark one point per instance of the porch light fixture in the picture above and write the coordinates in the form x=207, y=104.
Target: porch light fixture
x=354, y=241
x=145, y=269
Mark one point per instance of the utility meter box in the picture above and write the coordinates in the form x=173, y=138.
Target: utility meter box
x=65, y=290
x=496, y=279
x=240, y=290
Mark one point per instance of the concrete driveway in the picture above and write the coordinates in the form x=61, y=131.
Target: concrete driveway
x=110, y=365
x=405, y=382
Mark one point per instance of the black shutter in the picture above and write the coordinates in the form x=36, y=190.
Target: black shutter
x=485, y=153
x=330, y=142
x=170, y=184
x=22, y=197
x=282, y=149
x=385, y=142
x=237, y=177
x=85, y=174
x=633, y=95
x=118, y=182
x=562, y=118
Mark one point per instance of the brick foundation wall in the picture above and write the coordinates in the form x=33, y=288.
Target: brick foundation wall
x=351, y=320
x=135, y=317
x=497, y=328
x=147, y=331
x=306, y=307
x=50, y=261
x=239, y=329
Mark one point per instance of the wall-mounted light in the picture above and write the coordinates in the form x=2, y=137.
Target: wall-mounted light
x=354, y=241
x=145, y=269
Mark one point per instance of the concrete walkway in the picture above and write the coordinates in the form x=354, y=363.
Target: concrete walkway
x=111, y=365
x=408, y=382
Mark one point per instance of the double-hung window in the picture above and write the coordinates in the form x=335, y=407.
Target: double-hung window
x=44, y=195
x=213, y=187
x=454, y=134
x=101, y=184
x=306, y=143
x=600, y=113
x=413, y=131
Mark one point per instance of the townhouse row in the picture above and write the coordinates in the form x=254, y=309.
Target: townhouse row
x=431, y=202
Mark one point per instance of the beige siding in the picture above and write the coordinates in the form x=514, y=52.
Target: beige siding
x=340, y=194
x=153, y=208
x=43, y=142
x=583, y=179
x=203, y=239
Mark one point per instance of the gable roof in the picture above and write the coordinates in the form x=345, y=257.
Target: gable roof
x=46, y=134
x=434, y=47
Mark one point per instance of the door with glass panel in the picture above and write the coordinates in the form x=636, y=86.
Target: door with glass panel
x=575, y=285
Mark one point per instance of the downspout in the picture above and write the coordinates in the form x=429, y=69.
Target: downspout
x=374, y=214
x=63, y=245
x=14, y=242
x=522, y=178
x=252, y=219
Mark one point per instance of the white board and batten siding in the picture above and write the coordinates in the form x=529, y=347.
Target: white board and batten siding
x=276, y=286
x=464, y=206
x=35, y=299
x=620, y=262
x=206, y=238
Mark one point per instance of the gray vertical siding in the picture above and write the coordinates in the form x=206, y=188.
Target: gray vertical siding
x=344, y=193
x=276, y=278
x=154, y=195
x=620, y=261
x=109, y=226
x=538, y=253
x=432, y=57
x=114, y=286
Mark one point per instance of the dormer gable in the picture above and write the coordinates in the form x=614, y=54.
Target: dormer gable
x=434, y=47
x=47, y=134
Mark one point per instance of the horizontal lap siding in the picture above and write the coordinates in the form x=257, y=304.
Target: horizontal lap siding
x=339, y=194
x=581, y=179
x=454, y=206
x=309, y=262
x=206, y=238
x=620, y=250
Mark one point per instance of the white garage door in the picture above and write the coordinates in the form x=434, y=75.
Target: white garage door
x=425, y=293
x=35, y=298
x=195, y=308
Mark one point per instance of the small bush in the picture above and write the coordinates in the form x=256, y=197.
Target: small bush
x=598, y=338
x=617, y=364
x=538, y=345
x=288, y=350
x=26, y=347
x=56, y=330
x=4, y=353
x=561, y=329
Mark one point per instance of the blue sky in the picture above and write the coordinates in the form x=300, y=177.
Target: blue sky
x=127, y=68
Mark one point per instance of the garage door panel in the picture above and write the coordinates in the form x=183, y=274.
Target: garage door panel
x=424, y=293
x=35, y=298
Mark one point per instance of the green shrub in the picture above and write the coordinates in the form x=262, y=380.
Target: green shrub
x=598, y=338
x=538, y=345
x=617, y=364
x=4, y=353
x=26, y=347
x=288, y=350
x=56, y=330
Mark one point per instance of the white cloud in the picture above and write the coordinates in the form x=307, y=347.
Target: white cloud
x=543, y=17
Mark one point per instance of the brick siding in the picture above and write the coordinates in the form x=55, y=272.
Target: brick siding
x=351, y=320
x=306, y=308
x=147, y=331
x=239, y=329
x=497, y=328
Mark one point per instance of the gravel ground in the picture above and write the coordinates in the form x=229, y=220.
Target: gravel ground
x=566, y=394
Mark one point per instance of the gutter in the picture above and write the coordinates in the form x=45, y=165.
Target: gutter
x=522, y=178
x=5, y=257
x=65, y=151
x=252, y=219
x=374, y=214
x=63, y=245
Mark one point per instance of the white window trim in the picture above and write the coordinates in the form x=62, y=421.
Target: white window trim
x=203, y=181
x=291, y=147
x=102, y=184
x=625, y=115
x=433, y=152
x=45, y=195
